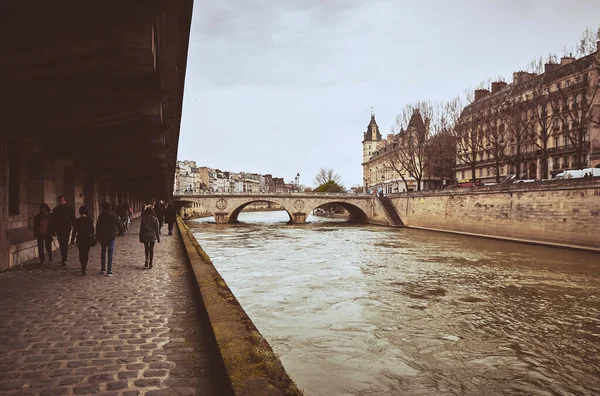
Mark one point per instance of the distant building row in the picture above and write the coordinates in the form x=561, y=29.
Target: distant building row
x=190, y=178
x=535, y=127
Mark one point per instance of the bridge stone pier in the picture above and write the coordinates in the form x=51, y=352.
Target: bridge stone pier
x=226, y=207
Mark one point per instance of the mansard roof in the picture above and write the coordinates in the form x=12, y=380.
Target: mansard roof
x=536, y=80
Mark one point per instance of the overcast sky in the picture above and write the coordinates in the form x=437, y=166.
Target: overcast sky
x=286, y=86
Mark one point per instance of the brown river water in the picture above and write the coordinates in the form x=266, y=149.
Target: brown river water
x=369, y=310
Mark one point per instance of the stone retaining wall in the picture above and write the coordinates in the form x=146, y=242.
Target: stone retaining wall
x=252, y=367
x=561, y=213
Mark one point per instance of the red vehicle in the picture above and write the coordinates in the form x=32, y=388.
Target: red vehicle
x=465, y=183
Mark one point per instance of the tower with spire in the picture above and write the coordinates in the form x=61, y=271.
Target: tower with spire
x=371, y=138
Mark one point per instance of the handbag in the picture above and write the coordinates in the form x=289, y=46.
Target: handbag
x=93, y=241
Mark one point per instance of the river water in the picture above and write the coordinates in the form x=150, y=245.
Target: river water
x=369, y=310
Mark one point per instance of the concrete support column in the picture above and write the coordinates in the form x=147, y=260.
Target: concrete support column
x=35, y=184
x=4, y=241
x=221, y=217
x=299, y=218
x=91, y=197
x=79, y=191
x=49, y=188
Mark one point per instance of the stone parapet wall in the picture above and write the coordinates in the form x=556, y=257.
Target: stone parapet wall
x=251, y=366
x=561, y=213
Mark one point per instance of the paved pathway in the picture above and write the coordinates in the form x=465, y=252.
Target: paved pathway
x=136, y=333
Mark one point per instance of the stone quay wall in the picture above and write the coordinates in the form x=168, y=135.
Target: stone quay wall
x=562, y=213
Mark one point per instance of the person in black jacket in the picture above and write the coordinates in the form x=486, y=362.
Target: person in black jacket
x=42, y=232
x=106, y=231
x=83, y=230
x=61, y=222
x=170, y=216
x=159, y=211
x=149, y=235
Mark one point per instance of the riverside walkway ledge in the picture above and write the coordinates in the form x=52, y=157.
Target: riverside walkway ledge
x=251, y=364
x=136, y=333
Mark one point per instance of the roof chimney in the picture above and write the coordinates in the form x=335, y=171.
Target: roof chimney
x=522, y=76
x=548, y=67
x=390, y=137
x=481, y=93
x=565, y=60
x=497, y=86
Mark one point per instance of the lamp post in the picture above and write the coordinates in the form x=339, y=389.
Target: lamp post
x=382, y=182
x=298, y=181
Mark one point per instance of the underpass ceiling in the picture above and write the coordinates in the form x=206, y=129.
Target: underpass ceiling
x=99, y=82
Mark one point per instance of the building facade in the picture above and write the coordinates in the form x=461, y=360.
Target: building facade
x=187, y=177
x=536, y=126
x=381, y=170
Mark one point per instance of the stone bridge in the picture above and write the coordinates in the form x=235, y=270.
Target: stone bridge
x=226, y=207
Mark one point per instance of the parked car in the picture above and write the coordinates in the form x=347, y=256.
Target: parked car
x=508, y=179
x=524, y=181
x=578, y=173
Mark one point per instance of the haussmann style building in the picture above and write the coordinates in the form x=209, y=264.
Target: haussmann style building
x=534, y=127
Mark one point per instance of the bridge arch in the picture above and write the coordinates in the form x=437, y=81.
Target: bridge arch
x=233, y=217
x=357, y=214
x=226, y=207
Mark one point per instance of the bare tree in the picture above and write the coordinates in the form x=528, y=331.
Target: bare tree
x=468, y=132
x=326, y=175
x=572, y=104
x=536, y=65
x=587, y=42
x=518, y=127
x=441, y=154
x=409, y=150
x=540, y=110
x=496, y=139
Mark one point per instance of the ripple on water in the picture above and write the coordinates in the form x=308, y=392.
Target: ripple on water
x=377, y=311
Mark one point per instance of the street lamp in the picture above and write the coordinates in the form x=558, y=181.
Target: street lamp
x=382, y=182
x=298, y=181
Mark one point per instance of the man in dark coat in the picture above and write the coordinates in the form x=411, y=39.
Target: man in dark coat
x=170, y=216
x=61, y=222
x=159, y=211
x=107, y=226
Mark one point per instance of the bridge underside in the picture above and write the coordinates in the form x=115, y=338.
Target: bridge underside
x=93, y=97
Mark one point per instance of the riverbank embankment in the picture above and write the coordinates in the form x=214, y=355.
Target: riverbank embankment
x=250, y=363
x=562, y=213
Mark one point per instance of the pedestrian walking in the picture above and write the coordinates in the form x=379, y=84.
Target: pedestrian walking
x=170, y=217
x=124, y=214
x=83, y=232
x=159, y=211
x=107, y=226
x=149, y=235
x=61, y=223
x=43, y=233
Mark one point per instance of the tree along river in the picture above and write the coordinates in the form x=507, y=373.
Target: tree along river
x=369, y=310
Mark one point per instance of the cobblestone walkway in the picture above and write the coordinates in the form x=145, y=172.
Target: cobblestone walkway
x=136, y=333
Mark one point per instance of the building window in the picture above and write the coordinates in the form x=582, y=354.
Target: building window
x=463, y=175
x=14, y=179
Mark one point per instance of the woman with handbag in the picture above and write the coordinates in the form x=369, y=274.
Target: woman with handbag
x=83, y=230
